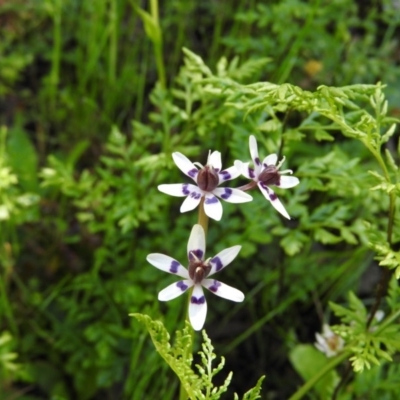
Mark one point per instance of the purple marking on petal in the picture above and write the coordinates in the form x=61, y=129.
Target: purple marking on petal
x=251, y=173
x=212, y=200
x=195, y=195
x=217, y=261
x=185, y=189
x=225, y=175
x=215, y=286
x=227, y=194
x=198, y=253
x=193, y=172
x=200, y=300
x=273, y=196
x=181, y=285
x=257, y=160
x=174, y=267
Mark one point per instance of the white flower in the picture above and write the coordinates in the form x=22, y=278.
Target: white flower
x=208, y=179
x=328, y=342
x=267, y=173
x=196, y=274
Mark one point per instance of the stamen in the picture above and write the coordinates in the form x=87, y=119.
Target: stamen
x=198, y=164
x=195, y=257
x=281, y=162
x=208, y=158
x=286, y=171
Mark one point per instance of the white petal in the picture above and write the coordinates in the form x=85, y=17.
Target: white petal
x=174, y=290
x=167, y=264
x=245, y=169
x=192, y=201
x=320, y=339
x=273, y=198
x=197, y=243
x=185, y=165
x=223, y=258
x=254, y=154
x=270, y=160
x=197, y=308
x=228, y=174
x=213, y=207
x=177, y=189
x=215, y=160
x=287, y=182
x=223, y=290
x=232, y=195
x=327, y=331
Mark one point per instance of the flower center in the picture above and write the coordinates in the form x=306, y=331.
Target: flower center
x=334, y=343
x=198, y=269
x=270, y=175
x=207, y=178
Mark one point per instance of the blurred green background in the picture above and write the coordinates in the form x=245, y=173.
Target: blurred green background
x=93, y=101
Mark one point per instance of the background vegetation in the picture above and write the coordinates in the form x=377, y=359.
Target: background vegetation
x=94, y=97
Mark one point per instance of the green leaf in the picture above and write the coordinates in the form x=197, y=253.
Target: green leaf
x=325, y=237
x=320, y=134
x=150, y=25
x=178, y=357
x=308, y=361
x=293, y=242
x=23, y=158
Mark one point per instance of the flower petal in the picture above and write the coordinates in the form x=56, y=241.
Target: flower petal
x=272, y=159
x=197, y=243
x=167, y=264
x=245, y=169
x=192, y=201
x=232, y=195
x=185, y=165
x=223, y=290
x=254, y=154
x=177, y=189
x=287, y=182
x=223, y=258
x=213, y=207
x=273, y=198
x=174, y=290
x=214, y=160
x=197, y=308
x=228, y=174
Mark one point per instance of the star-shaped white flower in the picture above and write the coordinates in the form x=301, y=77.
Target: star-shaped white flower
x=197, y=275
x=328, y=342
x=208, y=179
x=265, y=174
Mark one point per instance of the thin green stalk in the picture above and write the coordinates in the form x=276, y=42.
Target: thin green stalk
x=56, y=51
x=203, y=221
x=203, y=218
x=311, y=382
x=6, y=306
x=113, y=24
x=158, y=47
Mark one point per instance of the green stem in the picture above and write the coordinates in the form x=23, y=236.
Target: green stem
x=6, y=306
x=203, y=221
x=182, y=392
x=112, y=61
x=203, y=218
x=56, y=53
x=158, y=45
x=311, y=382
